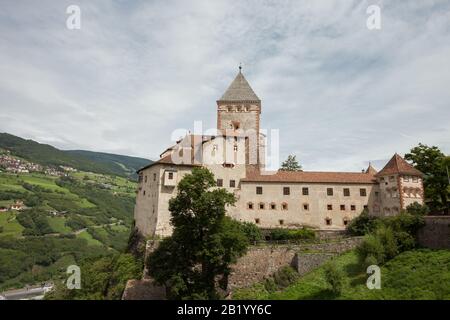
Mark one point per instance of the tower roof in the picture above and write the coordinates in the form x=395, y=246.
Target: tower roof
x=371, y=170
x=398, y=165
x=239, y=90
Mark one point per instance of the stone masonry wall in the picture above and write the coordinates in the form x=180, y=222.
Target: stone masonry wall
x=436, y=232
x=262, y=261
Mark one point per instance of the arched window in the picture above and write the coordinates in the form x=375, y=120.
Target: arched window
x=284, y=206
x=250, y=205
x=262, y=206
x=273, y=206
x=328, y=221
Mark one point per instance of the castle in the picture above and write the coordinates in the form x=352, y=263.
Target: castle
x=280, y=199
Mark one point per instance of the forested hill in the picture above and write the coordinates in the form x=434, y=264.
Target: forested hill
x=48, y=155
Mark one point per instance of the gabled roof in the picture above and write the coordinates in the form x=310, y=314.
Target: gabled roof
x=398, y=165
x=254, y=175
x=239, y=90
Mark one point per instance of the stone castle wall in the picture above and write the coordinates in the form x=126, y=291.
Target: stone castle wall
x=261, y=262
x=436, y=232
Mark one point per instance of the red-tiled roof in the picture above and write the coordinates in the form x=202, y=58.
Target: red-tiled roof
x=310, y=177
x=398, y=165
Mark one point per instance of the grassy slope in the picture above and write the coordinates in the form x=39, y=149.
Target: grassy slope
x=417, y=274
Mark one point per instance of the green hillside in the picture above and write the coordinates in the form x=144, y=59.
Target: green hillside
x=68, y=220
x=47, y=155
x=119, y=162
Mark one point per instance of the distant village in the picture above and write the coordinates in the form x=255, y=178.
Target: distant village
x=13, y=164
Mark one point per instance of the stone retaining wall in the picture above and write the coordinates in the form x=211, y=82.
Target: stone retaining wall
x=436, y=232
x=261, y=262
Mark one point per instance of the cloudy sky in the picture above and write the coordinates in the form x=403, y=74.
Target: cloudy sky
x=340, y=94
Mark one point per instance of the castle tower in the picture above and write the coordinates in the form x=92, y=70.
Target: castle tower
x=239, y=109
x=400, y=185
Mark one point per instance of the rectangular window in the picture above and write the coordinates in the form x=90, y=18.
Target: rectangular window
x=259, y=190
x=286, y=191
x=329, y=191
x=273, y=206
x=366, y=207
x=220, y=182
x=353, y=207
x=261, y=206
x=145, y=179
x=328, y=221
x=406, y=178
x=232, y=183
x=391, y=178
x=342, y=207
x=305, y=206
x=250, y=206
x=362, y=192
x=346, y=192
x=257, y=221
x=154, y=177
x=281, y=222
x=170, y=175
x=415, y=179
x=329, y=207
x=305, y=191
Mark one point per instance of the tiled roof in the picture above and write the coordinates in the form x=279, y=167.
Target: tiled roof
x=239, y=90
x=398, y=165
x=311, y=177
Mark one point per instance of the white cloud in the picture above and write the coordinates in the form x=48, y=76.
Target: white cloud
x=340, y=94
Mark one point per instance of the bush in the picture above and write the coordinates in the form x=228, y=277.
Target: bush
x=392, y=236
x=363, y=224
x=270, y=285
x=371, y=246
x=369, y=261
x=252, y=232
x=284, y=234
x=335, y=277
x=388, y=241
x=418, y=209
x=285, y=277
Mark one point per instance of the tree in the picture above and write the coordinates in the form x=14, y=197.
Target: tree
x=433, y=163
x=204, y=242
x=291, y=164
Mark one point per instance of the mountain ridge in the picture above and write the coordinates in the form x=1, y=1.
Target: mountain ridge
x=99, y=162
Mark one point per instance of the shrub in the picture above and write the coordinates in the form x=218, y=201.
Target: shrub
x=418, y=209
x=370, y=260
x=270, y=285
x=363, y=224
x=371, y=246
x=285, y=277
x=388, y=241
x=252, y=232
x=334, y=277
x=299, y=234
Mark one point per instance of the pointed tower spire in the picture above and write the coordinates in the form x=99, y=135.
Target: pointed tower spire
x=239, y=90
